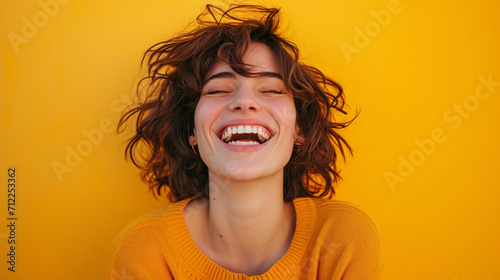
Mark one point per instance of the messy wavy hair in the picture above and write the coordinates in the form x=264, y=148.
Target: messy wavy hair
x=168, y=96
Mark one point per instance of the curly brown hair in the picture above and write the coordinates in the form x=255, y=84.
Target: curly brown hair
x=176, y=71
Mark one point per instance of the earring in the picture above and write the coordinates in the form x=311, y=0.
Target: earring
x=297, y=145
x=192, y=147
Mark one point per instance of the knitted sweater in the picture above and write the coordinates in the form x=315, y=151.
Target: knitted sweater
x=332, y=240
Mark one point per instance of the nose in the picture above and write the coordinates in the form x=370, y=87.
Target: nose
x=245, y=100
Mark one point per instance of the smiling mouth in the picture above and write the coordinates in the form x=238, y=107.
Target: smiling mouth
x=245, y=135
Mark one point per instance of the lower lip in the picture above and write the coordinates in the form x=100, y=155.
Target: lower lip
x=244, y=148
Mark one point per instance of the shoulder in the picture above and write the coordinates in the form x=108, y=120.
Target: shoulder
x=152, y=224
x=346, y=222
x=146, y=241
x=344, y=215
x=143, y=225
x=348, y=238
x=345, y=227
x=138, y=236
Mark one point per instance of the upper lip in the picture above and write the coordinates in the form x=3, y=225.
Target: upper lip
x=243, y=121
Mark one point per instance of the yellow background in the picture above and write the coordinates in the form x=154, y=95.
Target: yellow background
x=78, y=68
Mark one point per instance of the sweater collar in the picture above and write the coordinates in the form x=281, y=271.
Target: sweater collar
x=191, y=259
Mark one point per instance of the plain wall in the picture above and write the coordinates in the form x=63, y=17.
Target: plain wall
x=425, y=76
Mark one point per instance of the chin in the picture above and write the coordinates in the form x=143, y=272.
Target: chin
x=244, y=170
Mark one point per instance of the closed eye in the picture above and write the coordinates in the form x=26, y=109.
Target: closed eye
x=214, y=91
x=273, y=91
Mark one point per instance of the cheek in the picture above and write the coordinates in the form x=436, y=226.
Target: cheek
x=204, y=116
x=201, y=113
x=287, y=114
x=199, y=121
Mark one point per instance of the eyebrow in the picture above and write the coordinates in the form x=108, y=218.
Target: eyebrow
x=231, y=75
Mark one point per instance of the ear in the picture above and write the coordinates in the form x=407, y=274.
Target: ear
x=192, y=138
x=298, y=136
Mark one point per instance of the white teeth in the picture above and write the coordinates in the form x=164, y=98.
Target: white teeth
x=245, y=129
x=243, y=143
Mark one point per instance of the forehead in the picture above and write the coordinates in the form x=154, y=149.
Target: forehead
x=258, y=57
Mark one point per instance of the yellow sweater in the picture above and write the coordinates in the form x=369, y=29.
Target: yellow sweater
x=332, y=240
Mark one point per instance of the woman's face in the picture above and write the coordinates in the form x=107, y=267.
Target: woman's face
x=245, y=127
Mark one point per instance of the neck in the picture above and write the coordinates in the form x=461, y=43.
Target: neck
x=249, y=220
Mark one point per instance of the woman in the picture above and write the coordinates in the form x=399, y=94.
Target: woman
x=242, y=136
